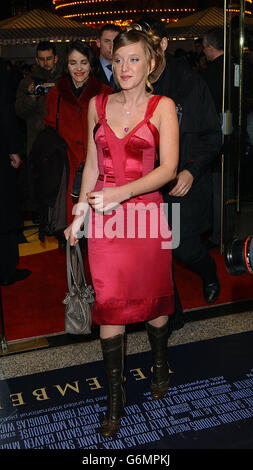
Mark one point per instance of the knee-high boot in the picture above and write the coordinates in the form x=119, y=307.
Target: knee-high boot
x=113, y=354
x=158, y=338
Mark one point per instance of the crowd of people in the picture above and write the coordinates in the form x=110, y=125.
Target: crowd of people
x=144, y=127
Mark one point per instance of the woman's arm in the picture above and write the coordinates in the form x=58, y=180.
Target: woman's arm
x=165, y=118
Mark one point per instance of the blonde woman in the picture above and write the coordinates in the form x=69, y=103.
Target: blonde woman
x=131, y=275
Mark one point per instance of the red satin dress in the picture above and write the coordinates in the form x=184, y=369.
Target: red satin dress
x=131, y=269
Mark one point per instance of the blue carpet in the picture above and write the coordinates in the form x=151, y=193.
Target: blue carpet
x=208, y=406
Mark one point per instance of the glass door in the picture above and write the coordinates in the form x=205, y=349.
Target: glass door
x=237, y=155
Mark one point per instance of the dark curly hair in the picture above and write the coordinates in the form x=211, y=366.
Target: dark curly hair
x=85, y=50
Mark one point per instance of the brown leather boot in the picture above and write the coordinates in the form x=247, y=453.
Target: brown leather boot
x=113, y=354
x=158, y=338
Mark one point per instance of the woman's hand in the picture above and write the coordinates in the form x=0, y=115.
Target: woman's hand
x=71, y=232
x=106, y=200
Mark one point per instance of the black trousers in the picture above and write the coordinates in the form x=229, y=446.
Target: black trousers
x=9, y=255
x=196, y=256
x=190, y=250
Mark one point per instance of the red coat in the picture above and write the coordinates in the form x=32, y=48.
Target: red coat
x=73, y=122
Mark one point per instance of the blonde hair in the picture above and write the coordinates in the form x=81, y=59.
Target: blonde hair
x=152, y=47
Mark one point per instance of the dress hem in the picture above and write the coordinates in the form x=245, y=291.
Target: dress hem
x=132, y=311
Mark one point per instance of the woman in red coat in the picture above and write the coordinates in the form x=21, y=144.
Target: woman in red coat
x=76, y=90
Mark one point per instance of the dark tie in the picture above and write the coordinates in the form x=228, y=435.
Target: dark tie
x=111, y=81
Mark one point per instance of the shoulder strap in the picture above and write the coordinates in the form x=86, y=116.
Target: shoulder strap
x=101, y=101
x=153, y=102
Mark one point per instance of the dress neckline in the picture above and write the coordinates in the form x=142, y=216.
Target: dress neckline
x=135, y=127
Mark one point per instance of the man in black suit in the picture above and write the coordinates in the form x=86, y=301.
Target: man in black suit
x=213, y=47
x=10, y=142
x=105, y=44
x=200, y=142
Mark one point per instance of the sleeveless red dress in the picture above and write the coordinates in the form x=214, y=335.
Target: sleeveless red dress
x=130, y=248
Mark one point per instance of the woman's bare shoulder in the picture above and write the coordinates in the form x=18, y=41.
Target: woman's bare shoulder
x=167, y=104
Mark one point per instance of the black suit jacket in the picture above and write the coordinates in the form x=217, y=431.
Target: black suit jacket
x=10, y=142
x=100, y=73
x=200, y=141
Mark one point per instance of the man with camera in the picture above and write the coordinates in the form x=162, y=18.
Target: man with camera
x=31, y=94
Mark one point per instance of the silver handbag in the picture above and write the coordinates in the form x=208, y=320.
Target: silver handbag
x=80, y=298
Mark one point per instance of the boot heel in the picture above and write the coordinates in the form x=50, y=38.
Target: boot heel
x=158, y=390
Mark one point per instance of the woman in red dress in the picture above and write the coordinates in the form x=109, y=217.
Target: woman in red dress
x=76, y=89
x=131, y=272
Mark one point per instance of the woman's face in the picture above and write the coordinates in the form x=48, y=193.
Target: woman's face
x=79, y=68
x=131, y=66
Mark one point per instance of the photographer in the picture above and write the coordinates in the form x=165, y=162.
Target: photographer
x=31, y=94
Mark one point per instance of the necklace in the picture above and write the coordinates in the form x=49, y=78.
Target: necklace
x=126, y=129
x=127, y=113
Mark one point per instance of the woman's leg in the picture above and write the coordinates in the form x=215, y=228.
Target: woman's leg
x=108, y=331
x=112, y=341
x=158, y=337
x=158, y=322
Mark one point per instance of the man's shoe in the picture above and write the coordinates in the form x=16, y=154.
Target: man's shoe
x=206, y=268
x=19, y=275
x=211, y=290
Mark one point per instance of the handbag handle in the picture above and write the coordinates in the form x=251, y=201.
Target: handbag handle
x=70, y=272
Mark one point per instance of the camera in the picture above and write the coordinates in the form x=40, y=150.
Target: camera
x=238, y=256
x=42, y=88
